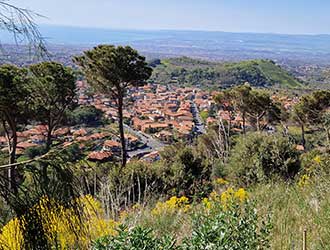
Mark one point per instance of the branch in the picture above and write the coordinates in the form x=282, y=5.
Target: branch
x=21, y=23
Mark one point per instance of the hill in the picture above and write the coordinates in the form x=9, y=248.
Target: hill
x=185, y=71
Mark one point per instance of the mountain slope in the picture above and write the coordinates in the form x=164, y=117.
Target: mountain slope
x=191, y=72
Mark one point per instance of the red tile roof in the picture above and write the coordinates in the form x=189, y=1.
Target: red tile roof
x=99, y=156
x=25, y=145
x=110, y=143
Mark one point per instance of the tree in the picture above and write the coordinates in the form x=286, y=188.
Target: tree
x=311, y=110
x=258, y=157
x=13, y=102
x=53, y=92
x=261, y=107
x=88, y=115
x=226, y=101
x=241, y=101
x=111, y=70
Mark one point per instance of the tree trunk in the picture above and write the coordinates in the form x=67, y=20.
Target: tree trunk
x=285, y=129
x=243, y=117
x=12, y=144
x=121, y=130
x=303, y=140
x=12, y=159
x=258, y=124
x=328, y=137
x=49, y=138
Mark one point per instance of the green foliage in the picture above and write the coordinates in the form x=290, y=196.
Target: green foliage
x=52, y=92
x=136, y=238
x=295, y=207
x=154, y=62
x=187, y=71
x=234, y=226
x=311, y=107
x=35, y=151
x=183, y=171
x=14, y=100
x=204, y=115
x=258, y=157
x=87, y=115
x=111, y=70
x=13, y=92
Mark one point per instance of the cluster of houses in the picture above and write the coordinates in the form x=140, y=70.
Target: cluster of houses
x=162, y=111
x=154, y=109
x=105, y=147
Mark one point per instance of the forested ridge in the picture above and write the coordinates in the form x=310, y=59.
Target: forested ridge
x=193, y=72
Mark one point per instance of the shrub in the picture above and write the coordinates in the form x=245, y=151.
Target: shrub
x=136, y=238
x=60, y=227
x=35, y=151
x=259, y=157
x=229, y=221
x=183, y=172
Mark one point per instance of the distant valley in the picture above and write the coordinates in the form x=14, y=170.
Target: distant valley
x=306, y=57
x=202, y=44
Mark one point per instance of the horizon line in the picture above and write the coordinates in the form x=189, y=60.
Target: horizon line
x=180, y=30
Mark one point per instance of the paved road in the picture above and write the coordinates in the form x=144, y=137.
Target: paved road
x=199, y=125
x=152, y=144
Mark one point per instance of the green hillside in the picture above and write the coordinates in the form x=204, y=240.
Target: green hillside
x=186, y=72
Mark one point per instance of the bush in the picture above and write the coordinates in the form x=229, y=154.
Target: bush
x=136, y=238
x=183, y=172
x=35, y=151
x=88, y=115
x=229, y=222
x=259, y=157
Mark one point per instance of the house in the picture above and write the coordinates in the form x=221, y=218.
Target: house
x=165, y=136
x=113, y=146
x=100, y=156
x=80, y=132
x=98, y=136
x=131, y=141
x=184, y=134
x=3, y=141
x=154, y=127
x=62, y=132
x=210, y=121
x=26, y=145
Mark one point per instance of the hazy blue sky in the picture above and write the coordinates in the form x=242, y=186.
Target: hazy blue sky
x=275, y=16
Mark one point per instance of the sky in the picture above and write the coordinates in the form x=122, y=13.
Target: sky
x=264, y=16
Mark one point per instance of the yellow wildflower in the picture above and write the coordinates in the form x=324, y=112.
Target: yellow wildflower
x=221, y=181
x=136, y=207
x=174, y=204
x=317, y=159
x=11, y=237
x=304, y=181
x=241, y=194
x=207, y=203
x=63, y=226
x=227, y=195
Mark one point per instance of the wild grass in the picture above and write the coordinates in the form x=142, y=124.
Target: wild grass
x=295, y=208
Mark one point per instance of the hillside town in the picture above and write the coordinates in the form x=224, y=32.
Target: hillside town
x=155, y=115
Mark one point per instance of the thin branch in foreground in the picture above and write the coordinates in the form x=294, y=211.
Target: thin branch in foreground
x=20, y=22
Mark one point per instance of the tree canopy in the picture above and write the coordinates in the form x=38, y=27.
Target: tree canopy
x=110, y=70
x=53, y=92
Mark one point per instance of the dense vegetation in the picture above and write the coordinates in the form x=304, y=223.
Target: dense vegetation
x=186, y=72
